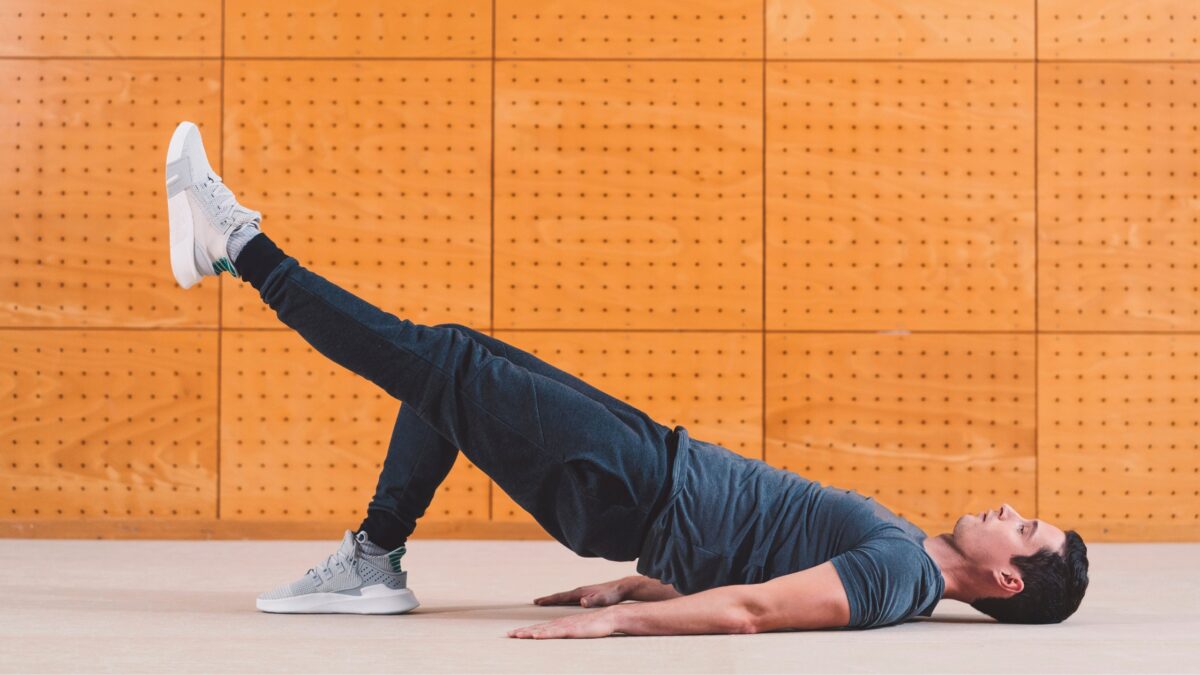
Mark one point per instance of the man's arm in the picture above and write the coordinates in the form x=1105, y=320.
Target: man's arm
x=813, y=598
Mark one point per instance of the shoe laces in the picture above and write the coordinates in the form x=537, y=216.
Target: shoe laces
x=224, y=200
x=340, y=559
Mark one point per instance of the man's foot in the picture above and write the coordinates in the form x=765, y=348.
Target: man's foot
x=203, y=212
x=351, y=581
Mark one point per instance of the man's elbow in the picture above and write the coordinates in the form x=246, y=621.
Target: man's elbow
x=742, y=620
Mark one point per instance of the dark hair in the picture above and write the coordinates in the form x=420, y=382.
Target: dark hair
x=1054, y=586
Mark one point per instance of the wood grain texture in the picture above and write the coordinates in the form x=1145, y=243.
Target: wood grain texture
x=107, y=425
x=900, y=196
x=364, y=28
x=1130, y=30
x=103, y=28
x=913, y=29
x=629, y=195
x=83, y=205
x=1117, y=444
x=376, y=173
x=930, y=425
x=1119, y=244
x=160, y=528
x=629, y=29
x=942, y=252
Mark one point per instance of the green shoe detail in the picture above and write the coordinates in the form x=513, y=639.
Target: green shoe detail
x=394, y=559
x=224, y=265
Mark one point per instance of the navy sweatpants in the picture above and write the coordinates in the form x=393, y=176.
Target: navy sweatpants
x=591, y=469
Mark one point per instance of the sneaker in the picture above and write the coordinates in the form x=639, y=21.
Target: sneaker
x=203, y=213
x=351, y=581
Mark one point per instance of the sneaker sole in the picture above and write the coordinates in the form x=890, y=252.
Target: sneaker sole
x=179, y=214
x=375, y=599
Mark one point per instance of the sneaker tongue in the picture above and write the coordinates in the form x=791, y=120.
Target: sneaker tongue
x=348, y=544
x=243, y=215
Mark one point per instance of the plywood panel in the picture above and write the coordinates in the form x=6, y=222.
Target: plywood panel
x=110, y=28
x=1117, y=167
x=710, y=383
x=108, y=424
x=629, y=195
x=358, y=28
x=1117, y=447
x=628, y=28
x=913, y=29
x=375, y=174
x=83, y=209
x=639, y=153
x=931, y=425
x=304, y=439
x=1118, y=29
x=900, y=196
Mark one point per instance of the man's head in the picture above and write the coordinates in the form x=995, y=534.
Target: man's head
x=1027, y=571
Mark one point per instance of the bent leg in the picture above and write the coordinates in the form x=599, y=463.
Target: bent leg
x=591, y=477
x=419, y=458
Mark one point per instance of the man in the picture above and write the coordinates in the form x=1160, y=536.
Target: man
x=724, y=544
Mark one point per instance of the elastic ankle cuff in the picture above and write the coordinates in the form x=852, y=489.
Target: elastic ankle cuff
x=257, y=259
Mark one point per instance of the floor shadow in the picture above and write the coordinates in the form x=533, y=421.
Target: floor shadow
x=955, y=619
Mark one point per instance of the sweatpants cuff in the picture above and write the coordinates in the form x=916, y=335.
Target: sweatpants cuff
x=258, y=258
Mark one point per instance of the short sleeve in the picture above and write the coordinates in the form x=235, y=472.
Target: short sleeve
x=885, y=581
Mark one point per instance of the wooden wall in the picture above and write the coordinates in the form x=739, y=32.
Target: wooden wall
x=943, y=252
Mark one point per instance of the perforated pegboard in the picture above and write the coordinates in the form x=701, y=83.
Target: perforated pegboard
x=1119, y=227
x=629, y=195
x=1118, y=450
x=110, y=28
x=630, y=174
x=1119, y=29
x=304, y=439
x=914, y=29
x=375, y=173
x=629, y=28
x=710, y=382
x=106, y=425
x=367, y=28
x=931, y=425
x=82, y=203
x=900, y=196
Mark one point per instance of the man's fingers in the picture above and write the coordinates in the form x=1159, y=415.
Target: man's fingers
x=559, y=598
x=603, y=598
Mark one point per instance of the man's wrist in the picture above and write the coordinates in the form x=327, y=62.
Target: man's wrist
x=618, y=616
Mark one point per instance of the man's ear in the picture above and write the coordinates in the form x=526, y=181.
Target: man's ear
x=1009, y=581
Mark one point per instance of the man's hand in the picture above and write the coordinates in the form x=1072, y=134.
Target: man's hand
x=596, y=595
x=636, y=587
x=599, y=623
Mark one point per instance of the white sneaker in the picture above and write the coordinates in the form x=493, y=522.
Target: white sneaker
x=350, y=581
x=202, y=211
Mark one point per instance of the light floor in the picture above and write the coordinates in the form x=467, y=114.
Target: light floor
x=187, y=606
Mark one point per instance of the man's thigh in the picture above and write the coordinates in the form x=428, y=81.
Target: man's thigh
x=541, y=367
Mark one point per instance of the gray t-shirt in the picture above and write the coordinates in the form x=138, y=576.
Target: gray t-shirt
x=733, y=520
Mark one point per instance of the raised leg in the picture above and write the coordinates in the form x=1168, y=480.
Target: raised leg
x=590, y=475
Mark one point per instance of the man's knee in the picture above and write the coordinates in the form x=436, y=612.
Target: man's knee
x=466, y=330
x=490, y=345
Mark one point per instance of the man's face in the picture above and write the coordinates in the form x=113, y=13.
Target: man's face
x=990, y=539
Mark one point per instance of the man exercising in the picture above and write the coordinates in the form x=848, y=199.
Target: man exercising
x=724, y=544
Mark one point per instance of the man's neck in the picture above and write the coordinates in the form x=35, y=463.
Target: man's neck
x=955, y=568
